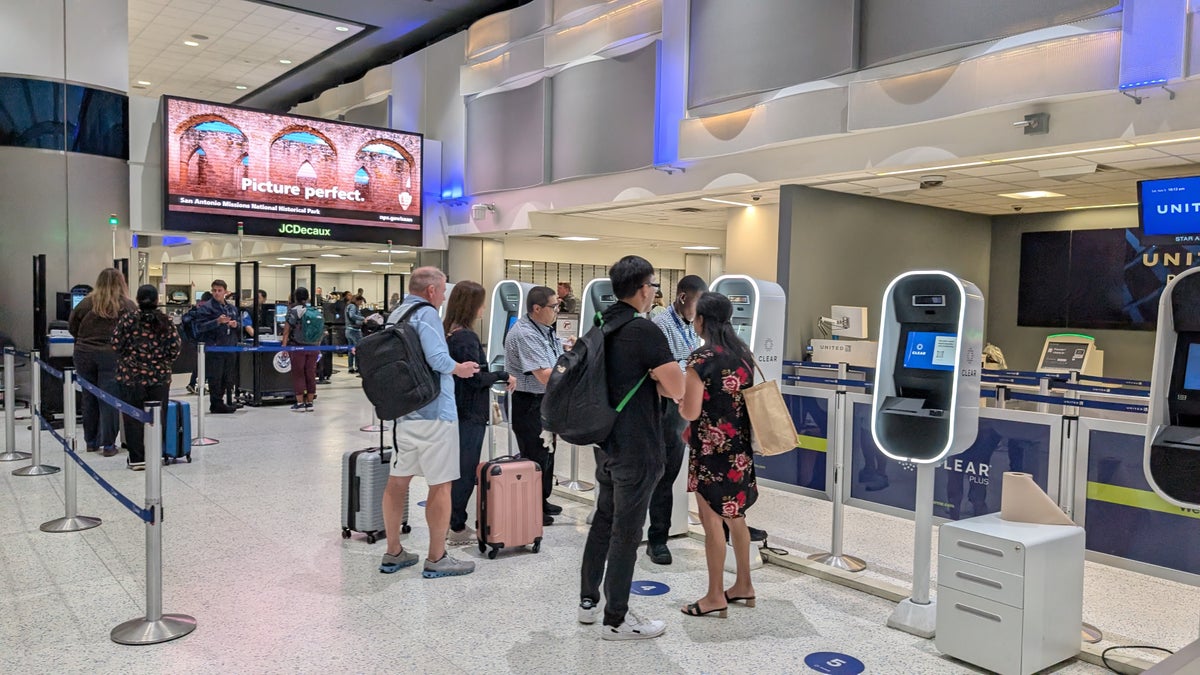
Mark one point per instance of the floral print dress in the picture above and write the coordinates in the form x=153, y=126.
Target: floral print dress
x=721, y=468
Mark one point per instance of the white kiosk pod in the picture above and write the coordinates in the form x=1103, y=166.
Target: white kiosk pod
x=925, y=406
x=759, y=316
x=508, y=305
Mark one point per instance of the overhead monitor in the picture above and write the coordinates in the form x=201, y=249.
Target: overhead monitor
x=1169, y=207
x=288, y=176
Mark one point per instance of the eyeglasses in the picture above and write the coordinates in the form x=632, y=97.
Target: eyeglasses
x=655, y=285
x=553, y=307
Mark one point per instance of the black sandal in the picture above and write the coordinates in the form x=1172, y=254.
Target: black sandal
x=694, y=610
x=749, y=601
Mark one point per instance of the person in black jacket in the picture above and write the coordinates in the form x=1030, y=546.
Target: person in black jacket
x=464, y=308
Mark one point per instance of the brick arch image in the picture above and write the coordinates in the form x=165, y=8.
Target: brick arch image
x=209, y=152
x=393, y=171
x=296, y=145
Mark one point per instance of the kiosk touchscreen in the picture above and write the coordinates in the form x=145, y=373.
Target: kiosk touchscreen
x=759, y=312
x=926, y=400
x=1069, y=352
x=597, y=296
x=508, y=304
x=1172, y=454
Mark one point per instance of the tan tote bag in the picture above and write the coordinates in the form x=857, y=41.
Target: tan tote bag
x=772, y=429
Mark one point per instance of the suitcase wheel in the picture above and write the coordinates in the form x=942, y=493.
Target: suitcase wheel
x=537, y=545
x=492, y=553
x=345, y=533
x=370, y=537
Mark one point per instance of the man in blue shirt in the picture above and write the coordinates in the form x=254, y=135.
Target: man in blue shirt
x=427, y=439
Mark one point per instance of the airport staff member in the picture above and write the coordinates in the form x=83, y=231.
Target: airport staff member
x=570, y=303
x=530, y=352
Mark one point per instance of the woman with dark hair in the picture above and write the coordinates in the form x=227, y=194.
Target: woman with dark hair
x=721, y=470
x=304, y=364
x=463, y=309
x=146, y=344
x=91, y=324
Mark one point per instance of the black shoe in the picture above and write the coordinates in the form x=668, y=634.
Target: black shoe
x=547, y=519
x=757, y=534
x=552, y=509
x=659, y=554
x=221, y=409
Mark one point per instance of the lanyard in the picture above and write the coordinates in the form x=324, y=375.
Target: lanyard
x=683, y=333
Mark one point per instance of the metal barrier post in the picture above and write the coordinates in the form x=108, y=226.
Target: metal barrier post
x=71, y=521
x=35, y=468
x=1043, y=390
x=373, y=427
x=201, y=383
x=1066, y=482
x=917, y=615
x=10, y=453
x=155, y=627
x=836, y=557
x=575, y=483
x=1002, y=396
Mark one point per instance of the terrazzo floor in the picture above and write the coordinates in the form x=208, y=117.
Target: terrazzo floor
x=253, y=550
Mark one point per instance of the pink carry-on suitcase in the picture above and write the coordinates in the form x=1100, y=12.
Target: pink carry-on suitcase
x=510, y=505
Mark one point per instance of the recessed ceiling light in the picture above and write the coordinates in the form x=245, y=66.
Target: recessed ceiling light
x=278, y=265
x=239, y=86
x=382, y=263
x=363, y=271
x=341, y=29
x=395, y=251
x=579, y=238
x=520, y=265
x=331, y=255
x=722, y=201
x=1170, y=140
x=143, y=83
x=1030, y=194
x=701, y=248
x=225, y=263
x=287, y=258
x=191, y=43
x=1099, y=206
x=1123, y=146
x=199, y=36
x=286, y=62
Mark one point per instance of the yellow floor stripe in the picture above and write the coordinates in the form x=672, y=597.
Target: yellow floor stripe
x=1138, y=499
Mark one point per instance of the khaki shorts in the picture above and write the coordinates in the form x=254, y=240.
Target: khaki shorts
x=427, y=448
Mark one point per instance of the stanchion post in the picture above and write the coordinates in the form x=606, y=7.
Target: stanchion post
x=836, y=557
x=1043, y=390
x=71, y=521
x=35, y=468
x=10, y=453
x=1002, y=396
x=201, y=383
x=155, y=627
x=918, y=614
x=576, y=484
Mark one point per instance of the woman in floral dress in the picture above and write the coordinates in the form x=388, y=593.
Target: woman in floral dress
x=721, y=469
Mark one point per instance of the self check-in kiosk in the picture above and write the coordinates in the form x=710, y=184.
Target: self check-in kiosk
x=1172, y=455
x=759, y=313
x=508, y=305
x=925, y=405
x=1070, y=352
x=597, y=296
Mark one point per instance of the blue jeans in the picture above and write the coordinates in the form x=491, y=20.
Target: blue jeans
x=100, y=421
x=470, y=445
x=353, y=336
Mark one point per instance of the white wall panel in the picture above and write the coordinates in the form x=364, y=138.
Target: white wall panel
x=97, y=42
x=31, y=35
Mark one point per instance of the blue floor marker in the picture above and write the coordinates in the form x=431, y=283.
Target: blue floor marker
x=421, y=503
x=834, y=663
x=649, y=588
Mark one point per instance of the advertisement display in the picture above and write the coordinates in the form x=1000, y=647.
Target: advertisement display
x=967, y=484
x=288, y=176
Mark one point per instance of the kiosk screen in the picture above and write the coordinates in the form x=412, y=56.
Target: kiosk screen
x=1064, y=356
x=512, y=321
x=1191, y=373
x=281, y=310
x=743, y=332
x=930, y=351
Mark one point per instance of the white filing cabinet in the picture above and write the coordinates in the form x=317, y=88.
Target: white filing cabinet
x=1010, y=595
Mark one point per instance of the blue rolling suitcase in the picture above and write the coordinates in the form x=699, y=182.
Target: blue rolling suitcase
x=177, y=429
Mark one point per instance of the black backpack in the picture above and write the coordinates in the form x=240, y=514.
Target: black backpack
x=576, y=403
x=395, y=375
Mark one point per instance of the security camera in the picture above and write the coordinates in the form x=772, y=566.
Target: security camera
x=755, y=197
x=932, y=181
x=1017, y=207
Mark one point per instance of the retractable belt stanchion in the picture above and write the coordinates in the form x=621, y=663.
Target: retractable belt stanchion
x=10, y=453
x=575, y=483
x=35, y=468
x=71, y=521
x=1066, y=482
x=835, y=557
x=155, y=627
x=373, y=427
x=202, y=379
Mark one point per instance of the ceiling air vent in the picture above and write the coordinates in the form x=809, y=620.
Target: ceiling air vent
x=689, y=209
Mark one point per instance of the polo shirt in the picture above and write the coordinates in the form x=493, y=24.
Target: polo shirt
x=530, y=346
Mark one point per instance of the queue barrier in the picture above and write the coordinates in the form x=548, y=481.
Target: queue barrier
x=155, y=626
x=10, y=453
x=36, y=424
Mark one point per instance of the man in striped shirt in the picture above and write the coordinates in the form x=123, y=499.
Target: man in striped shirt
x=676, y=324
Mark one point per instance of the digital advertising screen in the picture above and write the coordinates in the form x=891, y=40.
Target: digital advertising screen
x=1170, y=207
x=930, y=351
x=288, y=176
x=1064, y=356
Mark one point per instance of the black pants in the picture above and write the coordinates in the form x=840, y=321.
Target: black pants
x=527, y=427
x=135, y=433
x=664, y=493
x=470, y=444
x=623, y=487
x=219, y=367
x=100, y=421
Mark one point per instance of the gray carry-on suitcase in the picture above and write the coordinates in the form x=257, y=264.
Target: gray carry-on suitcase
x=364, y=477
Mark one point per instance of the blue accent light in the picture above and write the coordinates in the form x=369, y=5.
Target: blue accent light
x=135, y=240
x=175, y=241
x=1153, y=42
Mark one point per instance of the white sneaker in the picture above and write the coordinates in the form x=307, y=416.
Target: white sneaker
x=589, y=612
x=634, y=628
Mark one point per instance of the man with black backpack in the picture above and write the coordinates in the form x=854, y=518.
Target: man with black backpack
x=640, y=370
x=426, y=440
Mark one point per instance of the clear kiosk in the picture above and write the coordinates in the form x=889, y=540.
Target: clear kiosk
x=597, y=296
x=925, y=406
x=759, y=316
x=508, y=304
